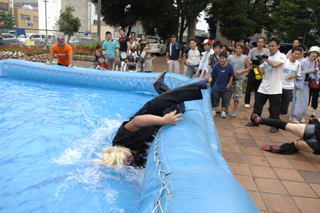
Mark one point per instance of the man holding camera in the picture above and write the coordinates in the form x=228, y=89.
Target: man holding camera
x=252, y=82
x=271, y=85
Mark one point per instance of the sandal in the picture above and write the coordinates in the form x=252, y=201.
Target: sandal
x=274, y=149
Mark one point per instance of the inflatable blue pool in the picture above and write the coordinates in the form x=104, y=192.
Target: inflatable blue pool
x=54, y=121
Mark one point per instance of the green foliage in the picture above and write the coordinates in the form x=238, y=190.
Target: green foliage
x=67, y=22
x=8, y=20
x=295, y=19
x=240, y=19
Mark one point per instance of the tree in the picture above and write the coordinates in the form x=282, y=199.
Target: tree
x=67, y=22
x=240, y=19
x=295, y=19
x=8, y=20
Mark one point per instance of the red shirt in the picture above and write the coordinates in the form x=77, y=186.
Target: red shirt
x=104, y=66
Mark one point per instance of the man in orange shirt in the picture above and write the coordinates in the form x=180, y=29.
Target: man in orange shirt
x=63, y=51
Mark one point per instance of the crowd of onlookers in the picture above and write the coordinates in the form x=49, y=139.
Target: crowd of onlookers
x=272, y=75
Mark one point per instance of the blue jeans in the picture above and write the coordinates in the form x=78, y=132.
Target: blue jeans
x=141, y=65
x=191, y=70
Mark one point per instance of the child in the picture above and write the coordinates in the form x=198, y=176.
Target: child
x=102, y=65
x=224, y=75
x=130, y=142
x=148, y=63
x=241, y=65
x=97, y=54
x=292, y=70
x=142, y=56
x=134, y=54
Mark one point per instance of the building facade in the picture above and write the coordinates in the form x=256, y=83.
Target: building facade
x=5, y=5
x=27, y=19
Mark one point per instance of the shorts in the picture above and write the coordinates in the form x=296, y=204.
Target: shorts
x=236, y=89
x=310, y=138
x=216, y=95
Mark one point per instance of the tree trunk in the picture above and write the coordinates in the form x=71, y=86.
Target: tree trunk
x=129, y=30
x=181, y=31
x=192, y=21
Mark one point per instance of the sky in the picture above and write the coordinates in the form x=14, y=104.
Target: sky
x=202, y=24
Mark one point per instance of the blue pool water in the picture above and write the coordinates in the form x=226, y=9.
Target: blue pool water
x=49, y=137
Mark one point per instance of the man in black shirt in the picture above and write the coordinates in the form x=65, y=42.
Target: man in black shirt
x=130, y=142
x=124, y=46
x=173, y=55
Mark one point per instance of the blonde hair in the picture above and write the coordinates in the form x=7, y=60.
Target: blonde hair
x=114, y=156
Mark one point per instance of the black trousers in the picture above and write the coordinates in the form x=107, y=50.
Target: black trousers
x=251, y=83
x=261, y=100
x=314, y=94
x=169, y=100
x=286, y=98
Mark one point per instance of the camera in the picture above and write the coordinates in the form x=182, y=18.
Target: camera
x=259, y=57
x=256, y=62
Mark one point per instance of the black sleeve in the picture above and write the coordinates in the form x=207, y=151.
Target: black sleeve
x=187, y=50
x=127, y=39
x=168, y=48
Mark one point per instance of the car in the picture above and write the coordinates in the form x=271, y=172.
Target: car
x=9, y=31
x=157, y=45
x=284, y=47
x=7, y=39
x=30, y=37
x=81, y=40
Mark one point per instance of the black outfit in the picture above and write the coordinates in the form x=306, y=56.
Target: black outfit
x=175, y=51
x=123, y=44
x=62, y=65
x=286, y=98
x=252, y=83
x=167, y=101
x=311, y=135
x=142, y=45
x=261, y=100
x=314, y=94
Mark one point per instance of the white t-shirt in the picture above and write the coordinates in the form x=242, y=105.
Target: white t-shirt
x=194, y=56
x=290, y=69
x=272, y=81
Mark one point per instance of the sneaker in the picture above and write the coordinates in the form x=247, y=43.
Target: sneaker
x=233, y=115
x=223, y=114
x=247, y=105
x=256, y=118
x=251, y=124
x=214, y=112
x=268, y=148
x=205, y=83
x=273, y=130
x=294, y=120
x=302, y=120
x=314, y=113
x=227, y=112
x=160, y=79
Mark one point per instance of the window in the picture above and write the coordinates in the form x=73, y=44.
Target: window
x=4, y=6
x=36, y=36
x=25, y=17
x=35, y=19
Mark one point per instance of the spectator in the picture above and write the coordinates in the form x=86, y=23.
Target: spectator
x=294, y=44
x=246, y=49
x=63, y=51
x=214, y=58
x=292, y=70
x=266, y=46
x=141, y=51
x=134, y=40
x=205, y=60
x=301, y=86
x=252, y=82
x=224, y=75
x=101, y=64
x=232, y=46
x=124, y=46
x=240, y=65
x=233, y=52
x=226, y=49
x=271, y=85
x=314, y=92
x=97, y=54
x=174, y=55
x=110, y=49
x=304, y=49
x=192, y=57
x=148, y=63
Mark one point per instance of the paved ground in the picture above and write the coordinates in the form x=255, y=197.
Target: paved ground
x=277, y=183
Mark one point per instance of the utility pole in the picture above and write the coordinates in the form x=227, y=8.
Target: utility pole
x=98, y=21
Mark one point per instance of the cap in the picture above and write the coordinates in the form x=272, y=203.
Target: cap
x=108, y=32
x=173, y=36
x=207, y=41
x=314, y=49
x=60, y=40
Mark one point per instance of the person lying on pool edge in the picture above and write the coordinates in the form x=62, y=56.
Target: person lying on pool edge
x=130, y=142
x=309, y=136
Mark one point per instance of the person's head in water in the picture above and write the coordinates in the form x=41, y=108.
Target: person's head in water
x=116, y=156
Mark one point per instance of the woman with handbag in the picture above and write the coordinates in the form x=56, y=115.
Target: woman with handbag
x=301, y=86
x=314, y=91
